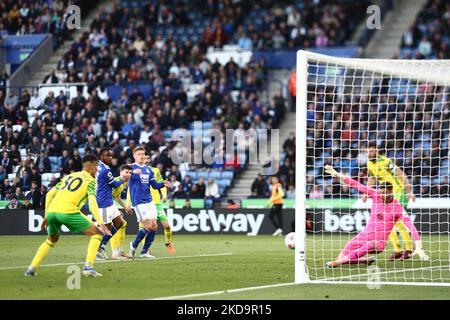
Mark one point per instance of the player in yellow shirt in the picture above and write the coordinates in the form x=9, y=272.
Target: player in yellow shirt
x=118, y=239
x=276, y=203
x=382, y=169
x=62, y=207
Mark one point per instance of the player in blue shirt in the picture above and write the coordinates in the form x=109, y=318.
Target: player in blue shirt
x=111, y=215
x=141, y=200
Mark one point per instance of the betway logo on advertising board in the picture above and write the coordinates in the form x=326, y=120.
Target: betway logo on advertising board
x=334, y=222
x=210, y=221
x=186, y=221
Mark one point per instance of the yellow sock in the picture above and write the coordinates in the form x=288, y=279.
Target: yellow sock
x=42, y=253
x=114, y=241
x=93, y=246
x=404, y=232
x=393, y=237
x=168, y=235
x=141, y=225
x=118, y=239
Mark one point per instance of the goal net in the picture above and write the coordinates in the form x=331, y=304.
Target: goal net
x=377, y=121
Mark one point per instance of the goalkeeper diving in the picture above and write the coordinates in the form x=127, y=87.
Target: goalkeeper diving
x=383, y=169
x=385, y=212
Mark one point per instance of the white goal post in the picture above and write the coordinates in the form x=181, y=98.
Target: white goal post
x=343, y=107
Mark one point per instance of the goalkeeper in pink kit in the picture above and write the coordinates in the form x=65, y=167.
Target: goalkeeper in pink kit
x=384, y=213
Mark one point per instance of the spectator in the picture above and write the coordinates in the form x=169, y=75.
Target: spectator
x=187, y=204
x=43, y=163
x=3, y=81
x=3, y=174
x=6, y=189
x=245, y=42
x=179, y=193
x=14, y=203
x=201, y=187
x=316, y=193
x=11, y=100
x=19, y=193
x=55, y=146
x=195, y=192
x=187, y=184
x=27, y=205
x=43, y=196
x=212, y=189
x=34, y=147
x=35, y=101
x=35, y=176
x=6, y=162
x=36, y=195
x=231, y=204
x=254, y=195
x=425, y=48
x=260, y=187
x=174, y=183
x=290, y=193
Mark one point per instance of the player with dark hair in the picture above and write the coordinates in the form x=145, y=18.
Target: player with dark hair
x=385, y=212
x=62, y=207
x=276, y=201
x=382, y=169
x=112, y=217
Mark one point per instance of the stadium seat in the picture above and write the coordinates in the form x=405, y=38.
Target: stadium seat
x=167, y=134
x=123, y=142
x=223, y=183
x=215, y=174
x=31, y=113
x=203, y=174
x=53, y=160
x=192, y=174
x=227, y=175
x=17, y=127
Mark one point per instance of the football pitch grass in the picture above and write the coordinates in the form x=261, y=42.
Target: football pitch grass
x=206, y=266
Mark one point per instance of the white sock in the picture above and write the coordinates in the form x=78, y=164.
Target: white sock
x=418, y=244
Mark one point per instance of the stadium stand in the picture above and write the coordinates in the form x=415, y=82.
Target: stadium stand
x=294, y=24
x=147, y=74
x=38, y=17
x=146, y=88
x=429, y=36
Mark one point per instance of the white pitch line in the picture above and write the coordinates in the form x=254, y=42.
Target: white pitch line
x=186, y=296
x=380, y=273
x=111, y=261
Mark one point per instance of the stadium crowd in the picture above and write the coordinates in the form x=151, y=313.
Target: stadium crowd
x=147, y=57
x=417, y=139
x=429, y=36
x=26, y=17
x=45, y=138
x=294, y=24
x=411, y=129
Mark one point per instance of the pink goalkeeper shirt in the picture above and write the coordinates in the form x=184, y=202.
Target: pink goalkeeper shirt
x=383, y=216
